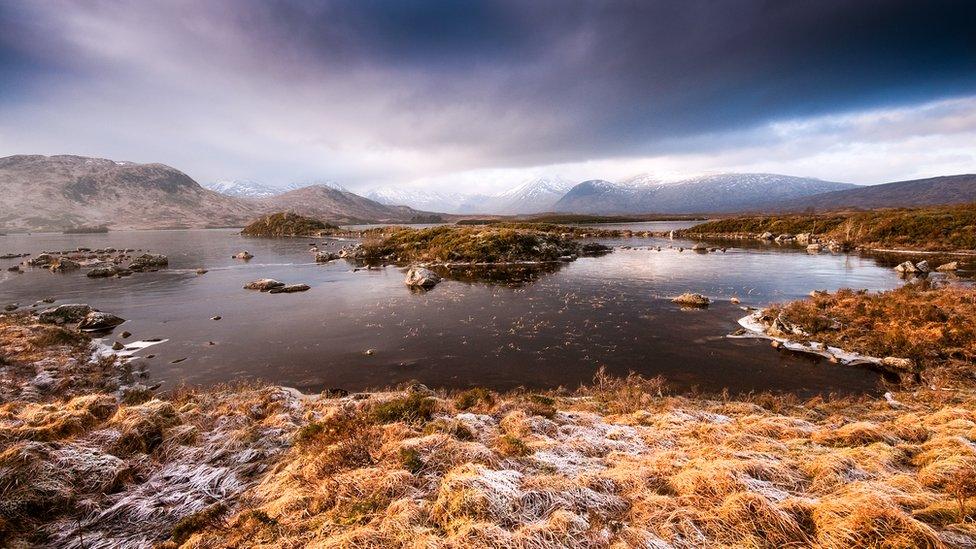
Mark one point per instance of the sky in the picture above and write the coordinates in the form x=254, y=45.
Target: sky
x=478, y=96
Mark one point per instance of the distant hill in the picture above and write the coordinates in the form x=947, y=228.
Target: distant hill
x=55, y=193
x=950, y=189
x=337, y=206
x=721, y=193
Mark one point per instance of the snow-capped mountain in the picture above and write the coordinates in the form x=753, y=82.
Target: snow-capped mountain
x=420, y=199
x=532, y=196
x=243, y=188
x=728, y=192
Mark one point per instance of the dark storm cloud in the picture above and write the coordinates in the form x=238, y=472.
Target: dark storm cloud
x=506, y=83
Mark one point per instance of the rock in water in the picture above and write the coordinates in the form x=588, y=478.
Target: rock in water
x=288, y=289
x=97, y=320
x=906, y=267
x=692, y=300
x=923, y=267
x=149, y=262
x=106, y=271
x=325, y=257
x=263, y=284
x=947, y=267
x=245, y=255
x=63, y=314
x=699, y=247
x=419, y=277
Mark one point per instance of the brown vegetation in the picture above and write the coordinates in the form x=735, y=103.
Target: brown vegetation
x=934, y=327
x=942, y=228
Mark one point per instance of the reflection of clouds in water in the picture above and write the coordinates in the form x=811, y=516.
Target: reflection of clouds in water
x=553, y=328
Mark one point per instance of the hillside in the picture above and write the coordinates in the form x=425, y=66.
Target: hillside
x=720, y=193
x=951, y=189
x=337, y=206
x=54, y=193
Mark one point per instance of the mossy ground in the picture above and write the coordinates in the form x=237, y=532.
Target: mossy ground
x=287, y=224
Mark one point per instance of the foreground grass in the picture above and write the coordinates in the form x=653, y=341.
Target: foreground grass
x=619, y=464
x=944, y=228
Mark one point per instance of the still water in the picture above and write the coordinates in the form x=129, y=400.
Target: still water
x=365, y=329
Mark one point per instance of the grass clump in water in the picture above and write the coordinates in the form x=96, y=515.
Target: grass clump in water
x=287, y=224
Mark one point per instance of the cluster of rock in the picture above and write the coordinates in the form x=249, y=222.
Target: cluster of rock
x=84, y=316
x=922, y=268
x=104, y=262
x=273, y=286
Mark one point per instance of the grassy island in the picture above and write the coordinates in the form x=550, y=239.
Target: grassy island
x=492, y=244
x=288, y=224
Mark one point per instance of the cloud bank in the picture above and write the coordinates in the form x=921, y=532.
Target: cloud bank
x=376, y=93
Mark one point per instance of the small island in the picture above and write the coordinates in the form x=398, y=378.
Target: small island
x=288, y=224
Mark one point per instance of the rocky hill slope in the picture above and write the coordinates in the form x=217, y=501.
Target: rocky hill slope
x=933, y=191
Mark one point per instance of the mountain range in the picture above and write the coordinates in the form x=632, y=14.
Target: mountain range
x=68, y=192
x=54, y=193
x=721, y=193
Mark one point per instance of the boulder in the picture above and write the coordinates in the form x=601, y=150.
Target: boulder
x=700, y=248
x=692, y=300
x=97, y=320
x=104, y=271
x=923, y=267
x=947, y=267
x=785, y=237
x=419, y=277
x=325, y=257
x=64, y=314
x=813, y=248
x=149, y=262
x=288, y=289
x=803, y=238
x=263, y=284
x=245, y=255
x=766, y=236
x=64, y=264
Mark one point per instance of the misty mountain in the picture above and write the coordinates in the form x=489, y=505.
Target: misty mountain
x=243, y=188
x=337, y=206
x=61, y=192
x=532, y=196
x=950, y=189
x=719, y=193
x=421, y=199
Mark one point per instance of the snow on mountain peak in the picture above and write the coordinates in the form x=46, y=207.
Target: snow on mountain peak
x=243, y=188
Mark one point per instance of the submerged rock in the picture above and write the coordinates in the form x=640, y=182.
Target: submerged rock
x=97, y=320
x=263, y=284
x=245, y=255
x=419, y=277
x=64, y=314
x=692, y=300
x=289, y=288
x=325, y=257
x=699, y=247
x=105, y=271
